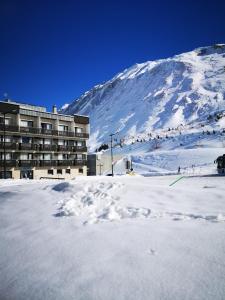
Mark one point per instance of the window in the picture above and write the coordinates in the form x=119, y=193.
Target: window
x=47, y=141
x=25, y=123
x=24, y=156
x=78, y=129
x=63, y=128
x=25, y=140
x=7, y=139
x=40, y=141
x=7, y=156
x=80, y=170
x=40, y=156
x=47, y=156
x=59, y=171
x=67, y=171
x=71, y=143
x=79, y=156
x=7, y=122
x=79, y=144
x=50, y=172
x=46, y=126
x=60, y=142
x=60, y=157
x=8, y=174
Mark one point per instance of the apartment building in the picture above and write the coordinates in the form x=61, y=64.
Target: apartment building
x=37, y=144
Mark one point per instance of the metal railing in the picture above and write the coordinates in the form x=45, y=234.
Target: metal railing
x=42, y=147
x=27, y=146
x=27, y=163
x=8, y=163
x=8, y=146
x=45, y=147
x=43, y=163
x=48, y=163
x=41, y=131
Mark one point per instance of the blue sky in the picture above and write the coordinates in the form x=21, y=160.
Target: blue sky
x=53, y=51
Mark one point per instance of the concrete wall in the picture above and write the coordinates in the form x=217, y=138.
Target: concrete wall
x=103, y=162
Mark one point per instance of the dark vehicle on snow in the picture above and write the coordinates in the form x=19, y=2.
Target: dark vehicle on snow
x=220, y=164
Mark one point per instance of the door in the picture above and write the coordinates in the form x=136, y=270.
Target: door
x=26, y=174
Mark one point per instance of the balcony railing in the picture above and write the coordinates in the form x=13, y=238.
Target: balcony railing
x=42, y=147
x=80, y=149
x=8, y=146
x=43, y=163
x=8, y=163
x=45, y=147
x=30, y=130
x=62, y=148
x=27, y=146
x=48, y=163
x=41, y=131
x=28, y=163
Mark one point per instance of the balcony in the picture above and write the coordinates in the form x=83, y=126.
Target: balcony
x=28, y=163
x=80, y=162
x=8, y=146
x=62, y=163
x=75, y=162
x=45, y=147
x=46, y=131
x=41, y=131
x=42, y=147
x=9, y=163
x=80, y=149
x=42, y=163
x=62, y=148
x=28, y=146
x=32, y=130
x=10, y=128
x=48, y=163
x=66, y=163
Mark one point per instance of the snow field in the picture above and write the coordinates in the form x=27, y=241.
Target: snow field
x=101, y=201
x=113, y=238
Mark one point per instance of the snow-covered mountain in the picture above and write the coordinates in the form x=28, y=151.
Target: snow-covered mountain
x=184, y=89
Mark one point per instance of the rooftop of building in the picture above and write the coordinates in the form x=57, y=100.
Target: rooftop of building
x=26, y=105
x=38, y=109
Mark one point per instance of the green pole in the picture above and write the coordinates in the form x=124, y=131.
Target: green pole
x=176, y=180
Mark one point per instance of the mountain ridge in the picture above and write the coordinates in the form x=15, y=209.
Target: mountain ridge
x=157, y=94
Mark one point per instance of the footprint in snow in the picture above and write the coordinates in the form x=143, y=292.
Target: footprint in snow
x=152, y=252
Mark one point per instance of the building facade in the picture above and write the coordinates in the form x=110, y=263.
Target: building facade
x=37, y=144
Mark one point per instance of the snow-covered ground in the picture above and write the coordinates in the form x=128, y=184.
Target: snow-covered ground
x=192, y=151
x=127, y=237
